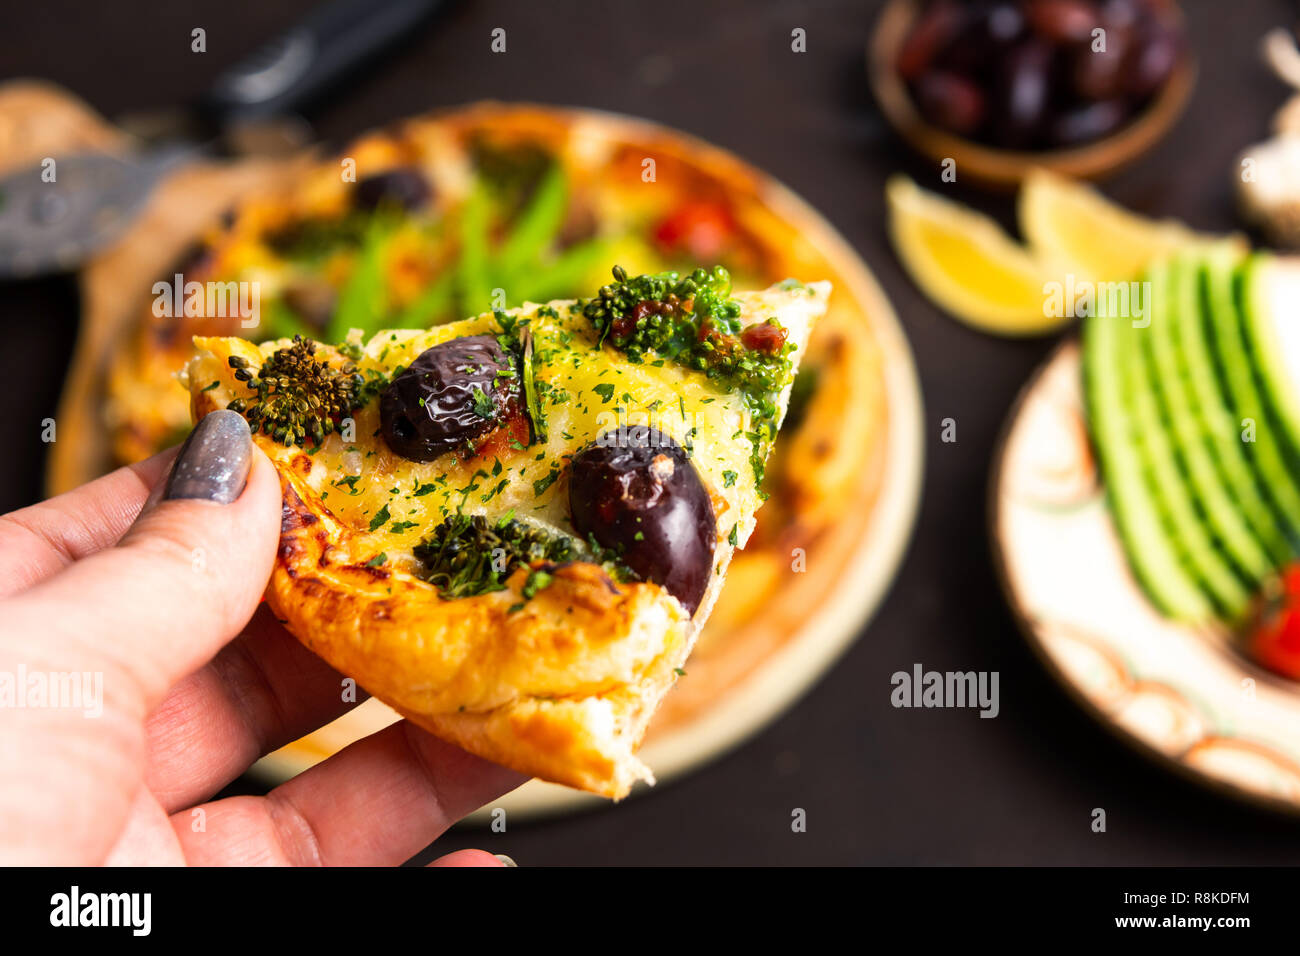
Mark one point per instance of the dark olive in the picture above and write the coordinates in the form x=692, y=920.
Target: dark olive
x=1121, y=13
x=1153, y=58
x=1026, y=90
x=634, y=490
x=933, y=31
x=1100, y=74
x=404, y=187
x=1004, y=22
x=988, y=31
x=1063, y=21
x=1086, y=123
x=451, y=395
x=950, y=101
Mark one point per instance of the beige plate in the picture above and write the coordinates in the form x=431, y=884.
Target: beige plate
x=811, y=619
x=1179, y=693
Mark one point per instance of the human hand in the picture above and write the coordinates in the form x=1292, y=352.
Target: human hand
x=163, y=709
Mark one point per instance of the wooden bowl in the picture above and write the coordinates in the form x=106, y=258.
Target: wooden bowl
x=1003, y=168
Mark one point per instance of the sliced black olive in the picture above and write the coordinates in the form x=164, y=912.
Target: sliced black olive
x=404, y=187
x=635, y=491
x=451, y=395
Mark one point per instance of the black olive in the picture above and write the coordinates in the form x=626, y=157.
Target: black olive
x=951, y=101
x=1025, y=94
x=404, y=187
x=635, y=491
x=1088, y=122
x=451, y=395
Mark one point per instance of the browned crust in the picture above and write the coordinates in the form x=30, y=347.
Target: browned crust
x=560, y=686
x=471, y=672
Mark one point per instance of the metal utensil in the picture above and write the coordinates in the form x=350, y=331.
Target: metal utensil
x=56, y=214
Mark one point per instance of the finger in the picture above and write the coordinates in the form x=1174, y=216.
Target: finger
x=375, y=803
x=472, y=858
x=36, y=542
x=147, y=839
x=262, y=691
x=183, y=580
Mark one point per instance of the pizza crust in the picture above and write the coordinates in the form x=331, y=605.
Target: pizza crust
x=552, y=689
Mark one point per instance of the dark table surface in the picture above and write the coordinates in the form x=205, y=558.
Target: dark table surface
x=879, y=785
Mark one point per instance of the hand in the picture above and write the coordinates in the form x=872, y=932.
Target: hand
x=151, y=707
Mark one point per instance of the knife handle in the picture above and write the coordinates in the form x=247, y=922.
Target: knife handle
x=302, y=63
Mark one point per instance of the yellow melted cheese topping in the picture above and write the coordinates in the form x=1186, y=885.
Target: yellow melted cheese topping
x=395, y=502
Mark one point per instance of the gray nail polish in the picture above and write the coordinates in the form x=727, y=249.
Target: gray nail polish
x=505, y=860
x=214, y=461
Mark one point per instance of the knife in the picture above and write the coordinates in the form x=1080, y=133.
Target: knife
x=56, y=214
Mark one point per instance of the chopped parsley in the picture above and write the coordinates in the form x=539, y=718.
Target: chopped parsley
x=541, y=484
x=694, y=322
x=483, y=405
x=380, y=519
x=350, y=482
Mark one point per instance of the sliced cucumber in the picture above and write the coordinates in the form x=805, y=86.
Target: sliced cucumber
x=1108, y=372
x=1185, y=382
x=1270, y=311
x=1155, y=403
x=1250, y=418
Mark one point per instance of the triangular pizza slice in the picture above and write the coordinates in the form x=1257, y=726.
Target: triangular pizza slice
x=512, y=528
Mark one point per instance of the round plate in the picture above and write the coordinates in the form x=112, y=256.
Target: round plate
x=788, y=621
x=1179, y=693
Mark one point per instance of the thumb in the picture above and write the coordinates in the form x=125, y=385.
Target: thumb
x=184, y=579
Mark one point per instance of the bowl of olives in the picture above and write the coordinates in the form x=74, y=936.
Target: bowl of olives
x=1081, y=87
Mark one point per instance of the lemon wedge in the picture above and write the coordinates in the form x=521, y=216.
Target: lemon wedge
x=966, y=264
x=1072, y=225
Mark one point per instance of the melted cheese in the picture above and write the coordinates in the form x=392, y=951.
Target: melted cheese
x=587, y=392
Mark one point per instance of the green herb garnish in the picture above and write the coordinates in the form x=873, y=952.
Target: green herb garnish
x=483, y=405
x=535, y=411
x=541, y=484
x=297, y=395
x=380, y=519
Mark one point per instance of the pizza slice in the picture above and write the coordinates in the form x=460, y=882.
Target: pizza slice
x=511, y=528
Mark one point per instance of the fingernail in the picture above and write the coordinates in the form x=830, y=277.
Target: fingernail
x=213, y=463
x=505, y=860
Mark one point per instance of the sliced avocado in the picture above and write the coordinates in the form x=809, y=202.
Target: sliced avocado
x=1279, y=480
x=1153, y=388
x=1270, y=311
x=1189, y=394
x=1111, y=369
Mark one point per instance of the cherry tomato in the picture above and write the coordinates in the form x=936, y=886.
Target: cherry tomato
x=1275, y=640
x=701, y=229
